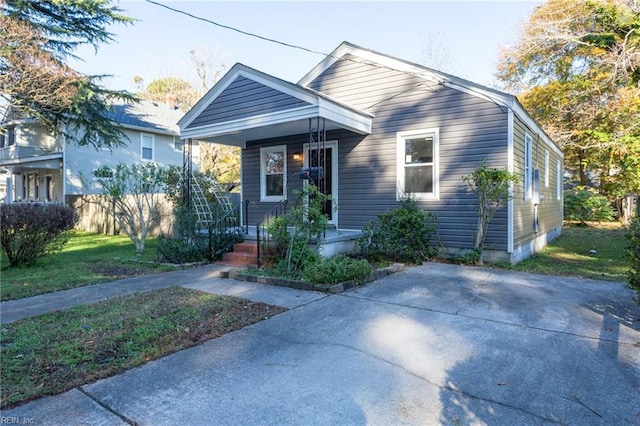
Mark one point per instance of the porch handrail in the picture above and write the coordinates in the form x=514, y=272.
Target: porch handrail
x=264, y=238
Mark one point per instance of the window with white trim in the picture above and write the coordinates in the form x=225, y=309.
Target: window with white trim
x=559, y=180
x=147, y=143
x=417, y=163
x=178, y=144
x=528, y=169
x=546, y=168
x=273, y=173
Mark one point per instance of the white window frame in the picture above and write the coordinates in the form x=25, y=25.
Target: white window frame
x=528, y=166
x=401, y=138
x=546, y=168
x=178, y=144
x=152, y=147
x=559, y=180
x=263, y=174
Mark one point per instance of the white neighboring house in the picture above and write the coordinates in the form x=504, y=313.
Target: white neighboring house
x=36, y=166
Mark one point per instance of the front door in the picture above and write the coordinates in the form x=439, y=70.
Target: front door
x=328, y=184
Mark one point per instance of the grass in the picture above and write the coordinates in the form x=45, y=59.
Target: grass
x=55, y=352
x=88, y=258
x=571, y=253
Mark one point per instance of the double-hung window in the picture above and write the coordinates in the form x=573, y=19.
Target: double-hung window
x=273, y=173
x=528, y=164
x=417, y=164
x=146, y=146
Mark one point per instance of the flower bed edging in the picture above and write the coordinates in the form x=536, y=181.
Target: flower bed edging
x=304, y=285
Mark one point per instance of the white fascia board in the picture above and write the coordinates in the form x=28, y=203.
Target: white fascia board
x=344, y=117
x=233, y=126
x=526, y=118
x=367, y=55
x=240, y=70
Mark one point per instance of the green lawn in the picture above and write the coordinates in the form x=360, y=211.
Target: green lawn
x=570, y=254
x=88, y=258
x=55, y=352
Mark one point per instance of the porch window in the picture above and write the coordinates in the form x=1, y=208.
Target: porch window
x=146, y=142
x=417, y=164
x=273, y=172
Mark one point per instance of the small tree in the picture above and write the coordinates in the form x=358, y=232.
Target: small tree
x=131, y=195
x=492, y=188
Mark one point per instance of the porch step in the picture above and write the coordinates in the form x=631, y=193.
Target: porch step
x=243, y=254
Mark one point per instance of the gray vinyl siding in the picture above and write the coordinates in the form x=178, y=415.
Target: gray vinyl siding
x=550, y=209
x=244, y=98
x=471, y=129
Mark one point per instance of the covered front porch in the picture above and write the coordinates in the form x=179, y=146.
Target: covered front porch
x=290, y=137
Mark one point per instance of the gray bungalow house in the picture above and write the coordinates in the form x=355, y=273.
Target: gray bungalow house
x=368, y=129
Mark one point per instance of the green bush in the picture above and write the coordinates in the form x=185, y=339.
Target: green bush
x=31, y=230
x=296, y=236
x=402, y=235
x=584, y=205
x=339, y=268
x=633, y=254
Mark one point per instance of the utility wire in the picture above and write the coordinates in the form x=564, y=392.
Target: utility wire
x=440, y=80
x=199, y=18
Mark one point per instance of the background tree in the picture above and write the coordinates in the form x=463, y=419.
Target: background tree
x=36, y=37
x=220, y=161
x=577, y=64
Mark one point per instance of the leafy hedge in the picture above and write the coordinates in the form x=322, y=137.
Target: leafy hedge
x=31, y=230
x=401, y=235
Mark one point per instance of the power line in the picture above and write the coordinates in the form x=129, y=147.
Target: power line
x=199, y=18
x=439, y=79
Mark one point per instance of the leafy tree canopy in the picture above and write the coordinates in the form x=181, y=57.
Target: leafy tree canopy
x=577, y=66
x=36, y=38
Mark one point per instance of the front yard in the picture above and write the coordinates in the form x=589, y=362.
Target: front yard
x=88, y=258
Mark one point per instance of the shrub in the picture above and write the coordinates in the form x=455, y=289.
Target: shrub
x=31, y=230
x=339, y=268
x=401, y=235
x=584, y=205
x=296, y=236
x=633, y=254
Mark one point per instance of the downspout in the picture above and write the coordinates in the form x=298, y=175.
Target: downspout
x=510, y=167
x=63, y=170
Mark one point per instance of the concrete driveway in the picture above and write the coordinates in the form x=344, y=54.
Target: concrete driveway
x=435, y=344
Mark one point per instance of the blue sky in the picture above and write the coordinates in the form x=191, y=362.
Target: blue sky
x=465, y=36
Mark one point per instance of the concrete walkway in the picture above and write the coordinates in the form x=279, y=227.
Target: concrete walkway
x=435, y=344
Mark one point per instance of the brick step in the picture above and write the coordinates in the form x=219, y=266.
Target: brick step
x=246, y=247
x=239, y=259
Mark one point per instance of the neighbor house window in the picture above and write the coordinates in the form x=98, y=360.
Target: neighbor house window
x=528, y=171
x=178, y=144
x=147, y=145
x=546, y=169
x=559, y=180
x=417, y=163
x=273, y=172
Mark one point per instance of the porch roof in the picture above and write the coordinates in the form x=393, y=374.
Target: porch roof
x=247, y=104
